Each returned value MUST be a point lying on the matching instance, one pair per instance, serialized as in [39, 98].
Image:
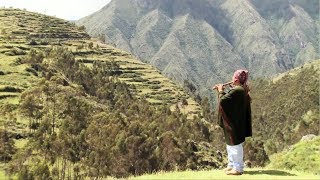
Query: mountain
[73, 107]
[38, 32]
[284, 108]
[204, 42]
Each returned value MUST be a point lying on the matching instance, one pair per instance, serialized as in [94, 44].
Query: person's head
[240, 77]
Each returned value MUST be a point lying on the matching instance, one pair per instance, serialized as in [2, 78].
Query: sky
[65, 9]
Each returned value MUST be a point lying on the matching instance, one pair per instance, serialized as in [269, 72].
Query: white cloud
[65, 9]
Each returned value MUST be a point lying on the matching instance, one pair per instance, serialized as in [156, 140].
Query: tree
[82, 28]
[3, 31]
[42, 172]
[90, 45]
[7, 148]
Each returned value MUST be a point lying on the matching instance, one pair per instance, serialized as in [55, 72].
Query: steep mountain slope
[205, 41]
[287, 107]
[284, 109]
[73, 107]
[35, 31]
[65, 93]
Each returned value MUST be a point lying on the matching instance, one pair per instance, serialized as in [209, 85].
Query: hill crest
[253, 33]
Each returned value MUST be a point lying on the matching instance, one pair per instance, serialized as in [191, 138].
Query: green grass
[20, 143]
[297, 70]
[303, 156]
[2, 175]
[219, 174]
[14, 20]
[14, 74]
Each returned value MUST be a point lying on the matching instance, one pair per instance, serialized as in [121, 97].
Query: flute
[225, 84]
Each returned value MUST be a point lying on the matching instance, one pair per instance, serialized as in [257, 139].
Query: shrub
[139, 79]
[10, 89]
[17, 62]
[33, 42]
[128, 75]
[31, 70]
[3, 31]
[155, 86]
[8, 46]
[44, 42]
[82, 28]
[303, 156]
[17, 51]
[154, 82]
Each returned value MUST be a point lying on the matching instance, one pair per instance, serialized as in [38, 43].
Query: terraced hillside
[205, 41]
[61, 89]
[22, 31]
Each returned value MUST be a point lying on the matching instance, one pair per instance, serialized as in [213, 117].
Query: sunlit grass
[304, 156]
[20, 143]
[219, 174]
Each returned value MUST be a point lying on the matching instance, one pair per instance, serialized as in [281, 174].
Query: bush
[129, 75]
[23, 48]
[10, 89]
[139, 79]
[44, 42]
[17, 61]
[32, 71]
[82, 28]
[19, 32]
[17, 51]
[3, 31]
[7, 149]
[9, 53]
[155, 86]
[8, 46]
[33, 42]
[303, 156]
[154, 82]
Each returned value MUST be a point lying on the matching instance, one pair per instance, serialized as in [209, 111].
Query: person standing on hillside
[235, 119]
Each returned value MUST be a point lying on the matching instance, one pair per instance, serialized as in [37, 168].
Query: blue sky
[65, 9]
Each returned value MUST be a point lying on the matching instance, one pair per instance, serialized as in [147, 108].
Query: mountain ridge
[257, 37]
[91, 110]
[77, 108]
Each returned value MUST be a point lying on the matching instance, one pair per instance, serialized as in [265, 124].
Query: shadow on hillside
[270, 172]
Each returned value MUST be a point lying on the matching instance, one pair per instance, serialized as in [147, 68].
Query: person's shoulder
[238, 88]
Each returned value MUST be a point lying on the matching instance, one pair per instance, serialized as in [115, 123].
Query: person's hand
[219, 87]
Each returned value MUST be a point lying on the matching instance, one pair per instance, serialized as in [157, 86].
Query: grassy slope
[269, 36]
[294, 109]
[303, 156]
[255, 173]
[18, 28]
[297, 70]
[293, 158]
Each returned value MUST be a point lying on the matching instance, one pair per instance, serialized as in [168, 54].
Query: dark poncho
[235, 115]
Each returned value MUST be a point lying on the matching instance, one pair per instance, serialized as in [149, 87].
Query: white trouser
[235, 157]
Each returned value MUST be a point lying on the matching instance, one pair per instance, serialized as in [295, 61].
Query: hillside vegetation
[205, 41]
[300, 161]
[284, 109]
[303, 156]
[72, 107]
[287, 107]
